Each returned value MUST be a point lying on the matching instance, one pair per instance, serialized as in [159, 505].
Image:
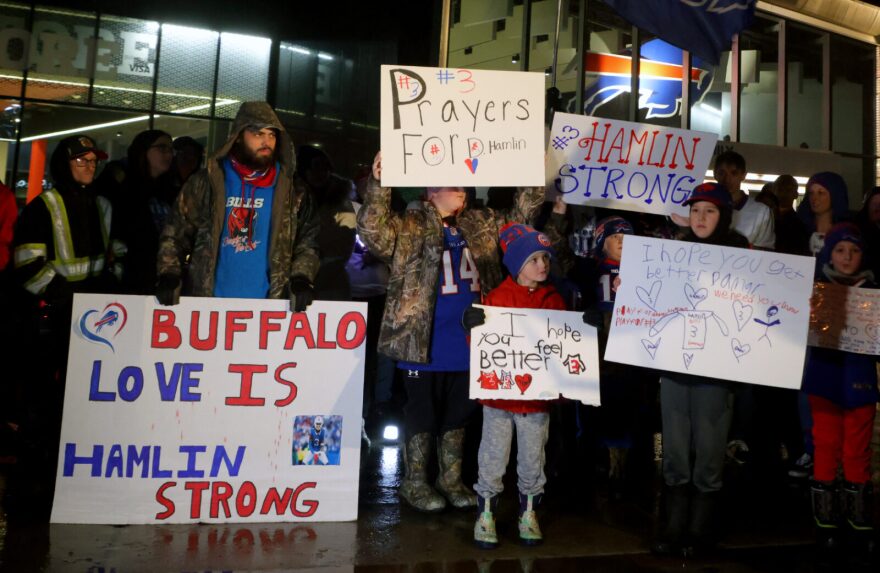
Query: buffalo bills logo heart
[523, 382]
[102, 326]
[472, 164]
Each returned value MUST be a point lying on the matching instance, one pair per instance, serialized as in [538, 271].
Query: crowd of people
[264, 219]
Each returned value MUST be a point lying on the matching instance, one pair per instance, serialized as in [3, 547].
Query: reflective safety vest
[65, 263]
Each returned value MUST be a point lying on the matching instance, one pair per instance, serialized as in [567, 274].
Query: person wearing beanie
[444, 257]
[618, 383]
[64, 243]
[527, 256]
[842, 391]
[696, 410]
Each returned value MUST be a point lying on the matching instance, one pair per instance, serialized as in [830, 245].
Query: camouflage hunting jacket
[412, 244]
[195, 223]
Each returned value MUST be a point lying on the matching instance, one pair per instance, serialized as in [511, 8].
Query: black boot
[701, 530]
[857, 505]
[677, 510]
[826, 512]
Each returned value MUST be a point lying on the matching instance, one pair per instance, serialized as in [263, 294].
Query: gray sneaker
[803, 467]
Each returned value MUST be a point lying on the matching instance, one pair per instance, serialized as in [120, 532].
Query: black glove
[302, 294]
[472, 317]
[594, 317]
[167, 290]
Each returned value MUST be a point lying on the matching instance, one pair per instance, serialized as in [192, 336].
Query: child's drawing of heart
[695, 296]
[523, 381]
[742, 313]
[472, 164]
[651, 346]
[688, 358]
[739, 349]
[649, 297]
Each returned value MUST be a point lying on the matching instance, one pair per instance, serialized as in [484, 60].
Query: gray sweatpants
[531, 437]
[696, 418]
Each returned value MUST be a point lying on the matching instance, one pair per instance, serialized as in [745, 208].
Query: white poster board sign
[708, 310]
[213, 410]
[845, 318]
[625, 165]
[459, 128]
[534, 354]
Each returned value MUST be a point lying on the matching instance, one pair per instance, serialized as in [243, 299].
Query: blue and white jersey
[457, 289]
[316, 439]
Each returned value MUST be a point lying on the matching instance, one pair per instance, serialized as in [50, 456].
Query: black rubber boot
[701, 529]
[858, 508]
[826, 512]
[677, 511]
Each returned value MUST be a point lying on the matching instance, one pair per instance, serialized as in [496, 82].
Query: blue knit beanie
[519, 242]
[607, 227]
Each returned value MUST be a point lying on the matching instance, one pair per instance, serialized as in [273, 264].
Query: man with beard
[245, 221]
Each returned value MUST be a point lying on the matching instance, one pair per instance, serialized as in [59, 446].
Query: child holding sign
[527, 255]
[618, 384]
[696, 410]
[443, 256]
[842, 389]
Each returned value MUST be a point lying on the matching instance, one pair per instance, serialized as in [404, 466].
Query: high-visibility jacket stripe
[29, 252]
[38, 283]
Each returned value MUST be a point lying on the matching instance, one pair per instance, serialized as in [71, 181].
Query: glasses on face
[163, 148]
[82, 162]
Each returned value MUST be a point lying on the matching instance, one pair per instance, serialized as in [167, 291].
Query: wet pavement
[766, 528]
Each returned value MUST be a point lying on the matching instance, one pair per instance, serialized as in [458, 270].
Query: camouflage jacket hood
[195, 224]
[412, 243]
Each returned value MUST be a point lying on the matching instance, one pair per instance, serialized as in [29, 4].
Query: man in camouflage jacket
[197, 219]
[417, 247]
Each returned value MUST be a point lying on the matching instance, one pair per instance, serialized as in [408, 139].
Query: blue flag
[703, 27]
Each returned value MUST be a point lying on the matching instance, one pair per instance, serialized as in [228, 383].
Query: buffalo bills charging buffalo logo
[102, 326]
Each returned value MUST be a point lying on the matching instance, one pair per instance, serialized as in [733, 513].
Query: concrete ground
[766, 527]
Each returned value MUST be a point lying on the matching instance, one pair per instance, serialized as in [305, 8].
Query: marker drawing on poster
[721, 312]
[625, 165]
[534, 354]
[212, 410]
[459, 127]
[845, 318]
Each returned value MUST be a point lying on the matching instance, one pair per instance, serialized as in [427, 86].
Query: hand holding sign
[534, 354]
[455, 127]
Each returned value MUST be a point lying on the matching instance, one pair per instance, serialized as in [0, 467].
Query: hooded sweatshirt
[836, 186]
[197, 218]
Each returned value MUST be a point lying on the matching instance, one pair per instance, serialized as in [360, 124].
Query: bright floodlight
[390, 433]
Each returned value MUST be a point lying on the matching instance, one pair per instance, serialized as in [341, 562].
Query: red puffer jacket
[511, 294]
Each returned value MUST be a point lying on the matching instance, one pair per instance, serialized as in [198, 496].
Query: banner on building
[726, 313]
[213, 410]
[462, 128]
[704, 27]
[845, 318]
[534, 354]
[625, 165]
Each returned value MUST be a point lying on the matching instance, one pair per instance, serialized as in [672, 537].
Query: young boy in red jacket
[527, 255]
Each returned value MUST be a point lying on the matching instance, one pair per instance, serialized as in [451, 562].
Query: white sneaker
[803, 467]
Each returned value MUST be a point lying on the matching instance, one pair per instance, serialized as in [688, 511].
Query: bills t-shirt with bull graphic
[457, 289]
[243, 260]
